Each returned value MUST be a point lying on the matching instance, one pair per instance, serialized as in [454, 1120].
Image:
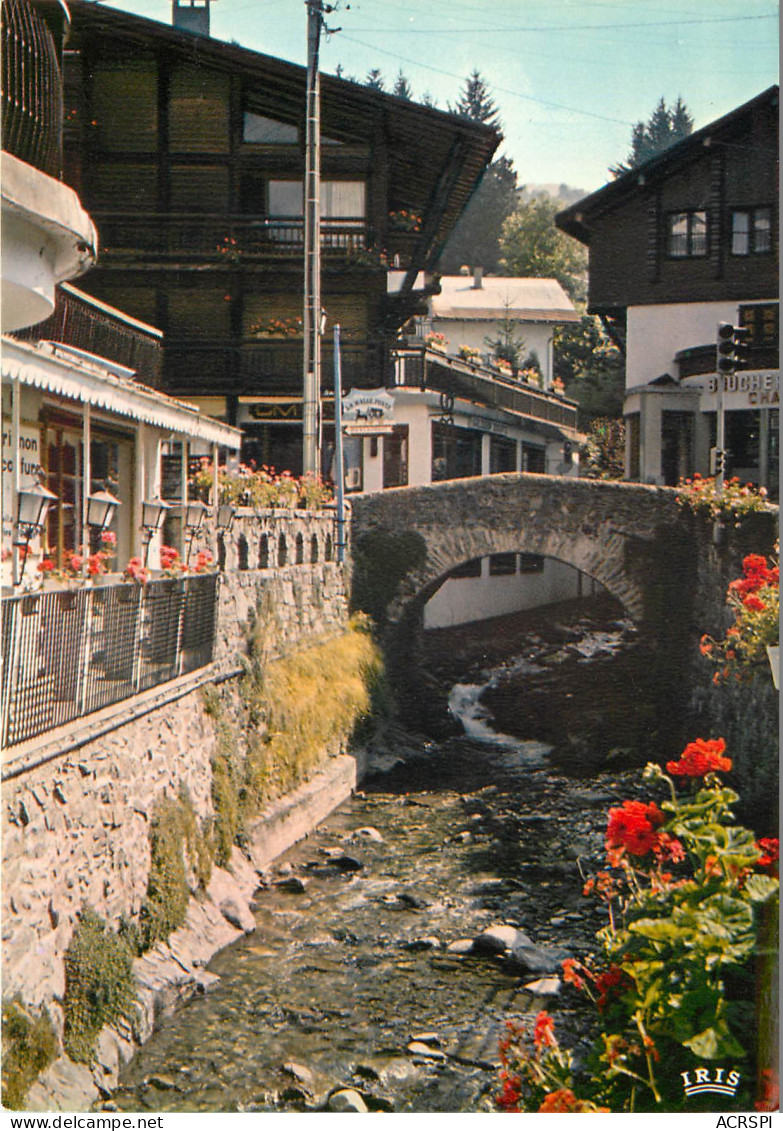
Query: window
[467, 569]
[761, 320]
[687, 235]
[340, 200]
[395, 457]
[531, 563]
[751, 231]
[502, 455]
[502, 565]
[265, 131]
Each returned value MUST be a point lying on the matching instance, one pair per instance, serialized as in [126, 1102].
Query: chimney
[478, 273]
[192, 16]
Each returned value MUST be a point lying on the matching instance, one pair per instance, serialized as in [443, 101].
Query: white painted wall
[657, 333]
[465, 599]
[537, 337]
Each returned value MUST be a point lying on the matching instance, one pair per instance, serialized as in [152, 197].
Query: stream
[358, 975]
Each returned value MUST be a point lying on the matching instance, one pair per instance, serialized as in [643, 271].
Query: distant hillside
[560, 192]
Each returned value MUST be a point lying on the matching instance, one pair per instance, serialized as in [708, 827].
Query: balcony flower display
[277, 328]
[79, 566]
[503, 366]
[530, 377]
[436, 341]
[558, 387]
[469, 353]
[405, 221]
[248, 486]
[229, 249]
[754, 600]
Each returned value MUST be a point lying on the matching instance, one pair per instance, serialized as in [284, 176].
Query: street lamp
[225, 517]
[100, 509]
[153, 514]
[193, 515]
[32, 508]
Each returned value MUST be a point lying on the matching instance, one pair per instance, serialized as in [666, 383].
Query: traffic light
[726, 361]
[741, 346]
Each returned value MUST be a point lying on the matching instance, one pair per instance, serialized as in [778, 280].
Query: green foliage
[29, 1046]
[531, 245]
[734, 502]
[592, 367]
[665, 127]
[476, 103]
[402, 87]
[677, 954]
[99, 984]
[604, 450]
[375, 79]
[508, 346]
[475, 239]
[381, 560]
[168, 891]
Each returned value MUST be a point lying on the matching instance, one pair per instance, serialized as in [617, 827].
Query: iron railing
[68, 653]
[32, 88]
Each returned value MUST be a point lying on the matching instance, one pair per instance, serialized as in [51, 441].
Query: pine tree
[428, 101]
[476, 103]
[664, 128]
[402, 88]
[375, 79]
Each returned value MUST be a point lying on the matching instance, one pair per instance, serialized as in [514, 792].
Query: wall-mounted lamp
[153, 514]
[225, 517]
[193, 515]
[32, 507]
[100, 509]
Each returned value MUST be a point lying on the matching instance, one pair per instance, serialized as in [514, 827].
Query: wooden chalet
[189, 155]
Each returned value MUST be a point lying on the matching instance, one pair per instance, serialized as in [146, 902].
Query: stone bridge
[654, 556]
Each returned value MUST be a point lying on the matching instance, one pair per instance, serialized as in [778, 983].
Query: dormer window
[751, 231]
[687, 235]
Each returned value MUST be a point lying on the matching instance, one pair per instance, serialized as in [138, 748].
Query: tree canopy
[666, 126]
[475, 102]
[531, 245]
[475, 240]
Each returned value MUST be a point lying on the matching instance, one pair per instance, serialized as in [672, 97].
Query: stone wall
[76, 818]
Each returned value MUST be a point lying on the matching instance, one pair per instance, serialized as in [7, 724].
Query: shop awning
[91, 380]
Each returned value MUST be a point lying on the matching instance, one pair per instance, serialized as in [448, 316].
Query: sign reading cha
[748, 389]
[366, 412]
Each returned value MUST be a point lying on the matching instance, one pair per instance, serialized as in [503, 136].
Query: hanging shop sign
[367, 406]
[747, 390]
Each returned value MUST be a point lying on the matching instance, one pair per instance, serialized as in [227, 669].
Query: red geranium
[770, 848]
[701, 757]
[544, 1031]
[633, 827]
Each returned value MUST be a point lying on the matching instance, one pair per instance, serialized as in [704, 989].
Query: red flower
[699, 758]
[544, 1031]
[509, 1097]
[609, 983]
[563, 1100]
[770, 848]
[46, 565]
[109, 538]
[754, 603]
[634, 827]
[570, 975]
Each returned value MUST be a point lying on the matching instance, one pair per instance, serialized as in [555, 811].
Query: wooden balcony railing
[224, 238]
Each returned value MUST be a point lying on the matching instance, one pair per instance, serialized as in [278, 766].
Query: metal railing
[67, 653]
[32, 88]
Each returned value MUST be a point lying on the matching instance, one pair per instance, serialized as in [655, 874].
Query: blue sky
[570, 77]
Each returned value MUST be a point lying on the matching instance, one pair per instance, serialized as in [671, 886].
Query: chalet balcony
[32, 85]
[69, 653]
[257, 366]
[85, 324]
[227, 240]
[430, 369]
[701, 360]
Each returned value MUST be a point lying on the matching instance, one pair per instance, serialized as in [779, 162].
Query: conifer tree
[375, 79]
[476, 103]
[665, 127]
[402, 88]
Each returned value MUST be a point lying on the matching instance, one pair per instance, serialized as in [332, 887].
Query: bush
[168, 892]
[682, 891]
[99, 984]
[735, 501]
[29, 1046]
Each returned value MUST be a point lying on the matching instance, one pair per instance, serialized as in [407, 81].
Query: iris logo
[705, 1081]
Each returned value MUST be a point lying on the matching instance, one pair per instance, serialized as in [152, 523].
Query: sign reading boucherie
[748, 389]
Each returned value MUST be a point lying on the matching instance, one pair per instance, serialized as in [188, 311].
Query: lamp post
[193, 513]
[225, 517]
[153, 514]
[32, 508]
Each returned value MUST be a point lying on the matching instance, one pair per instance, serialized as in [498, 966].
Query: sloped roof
[575, 219]
[499, 296]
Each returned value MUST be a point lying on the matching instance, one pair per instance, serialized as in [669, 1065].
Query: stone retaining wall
[76, 824]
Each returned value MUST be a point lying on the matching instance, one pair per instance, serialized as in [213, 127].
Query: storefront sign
[368, 428]
[29, 456]
[748, 390]
[368, 405]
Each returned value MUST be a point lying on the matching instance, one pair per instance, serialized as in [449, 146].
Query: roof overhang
[85, 380]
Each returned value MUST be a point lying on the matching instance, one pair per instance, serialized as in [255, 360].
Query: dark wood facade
[714, 178]
[187, 153]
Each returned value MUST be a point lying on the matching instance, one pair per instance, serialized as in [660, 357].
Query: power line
[473, 30]
[502, 89]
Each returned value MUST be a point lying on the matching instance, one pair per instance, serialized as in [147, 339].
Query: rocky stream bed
[393, 944]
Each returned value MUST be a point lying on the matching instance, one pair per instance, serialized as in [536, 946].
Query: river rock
[410, 899]
[460, 946]
[418, 1048]
[291, 883]
[227, 895]
[499, 939]
[347, 863]
[348, 1100]
[429, 942]
[368, 833]
[529, 959]
[544, 987]
[63, 1086]
[301, 1073]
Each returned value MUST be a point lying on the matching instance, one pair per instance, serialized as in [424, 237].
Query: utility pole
[311, 399]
